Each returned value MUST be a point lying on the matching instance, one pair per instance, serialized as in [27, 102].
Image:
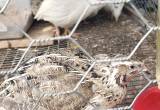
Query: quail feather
[105, 86]
[110, 87]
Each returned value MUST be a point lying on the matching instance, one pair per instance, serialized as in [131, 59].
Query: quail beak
[132, 75]
[136, 73]
[146, 71]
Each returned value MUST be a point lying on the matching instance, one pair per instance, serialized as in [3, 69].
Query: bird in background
[115, 9]
[104, 86]
[64, 14]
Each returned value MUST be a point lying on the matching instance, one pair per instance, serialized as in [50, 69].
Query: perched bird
[64, 14]
[49, 75]
[115, 9]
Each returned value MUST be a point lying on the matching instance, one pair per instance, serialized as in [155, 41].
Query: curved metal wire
[5, 6]
[94, 2]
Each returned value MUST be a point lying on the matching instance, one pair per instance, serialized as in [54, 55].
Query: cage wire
[145, 10]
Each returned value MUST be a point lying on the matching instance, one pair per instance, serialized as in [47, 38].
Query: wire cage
[8, 61]
[145, 12]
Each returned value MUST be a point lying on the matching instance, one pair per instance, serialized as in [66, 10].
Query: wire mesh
[3, 5]
[146, 10]
[9, 59]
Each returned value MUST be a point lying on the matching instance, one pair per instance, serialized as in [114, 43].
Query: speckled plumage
[104, 86]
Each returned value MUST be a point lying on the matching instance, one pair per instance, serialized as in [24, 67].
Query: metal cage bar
[94, 61]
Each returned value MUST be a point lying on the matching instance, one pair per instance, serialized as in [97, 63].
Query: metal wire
[15, 24]
[79, 20]
[23, 56]
[70, 91]
[133, 51]
[5, 6]
[9, 59]
[95, 2]
[34, 49]
[146, 10]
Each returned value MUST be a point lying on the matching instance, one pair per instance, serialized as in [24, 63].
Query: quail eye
[132, 67]
[77, 65]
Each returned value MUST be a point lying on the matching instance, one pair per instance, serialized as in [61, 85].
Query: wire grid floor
[9, 59]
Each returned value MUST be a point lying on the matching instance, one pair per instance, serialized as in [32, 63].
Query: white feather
[65, 13]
